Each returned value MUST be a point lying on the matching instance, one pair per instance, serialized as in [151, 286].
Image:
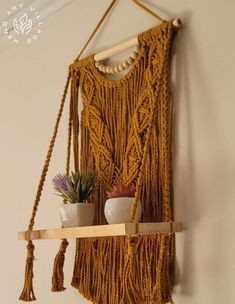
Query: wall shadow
[183, 172]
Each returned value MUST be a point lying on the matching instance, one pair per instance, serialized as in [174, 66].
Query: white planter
[118, 210]
[79, 214]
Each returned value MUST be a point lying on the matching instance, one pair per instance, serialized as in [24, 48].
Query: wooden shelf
[102, 231]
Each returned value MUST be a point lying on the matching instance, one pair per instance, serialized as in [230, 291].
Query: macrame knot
[132, 245]
[58, 273]
[28, 293]
[30, 248]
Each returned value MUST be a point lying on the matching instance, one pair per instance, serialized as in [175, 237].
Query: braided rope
[28, 291]
[48, 156]
[68, 154]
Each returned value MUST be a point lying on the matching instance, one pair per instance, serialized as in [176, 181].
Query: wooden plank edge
[73, 232]
[153, 228]
[102, 231]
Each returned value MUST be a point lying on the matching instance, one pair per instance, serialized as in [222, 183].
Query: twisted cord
[48, 156]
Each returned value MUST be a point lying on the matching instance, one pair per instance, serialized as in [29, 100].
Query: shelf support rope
[28, 291]
[57, 281]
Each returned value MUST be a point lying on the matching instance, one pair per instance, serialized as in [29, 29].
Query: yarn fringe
[27, 294]
[106, 271]
[58, 273]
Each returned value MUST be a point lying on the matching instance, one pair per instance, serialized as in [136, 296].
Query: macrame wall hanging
[125, 139]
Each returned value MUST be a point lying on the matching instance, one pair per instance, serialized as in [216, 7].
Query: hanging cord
[57, 282]
[28, 293]
[74, 96]
[106, 14]
[145, 8]
[73, 128]
[70, 123]
[97, 27]
[48, 156]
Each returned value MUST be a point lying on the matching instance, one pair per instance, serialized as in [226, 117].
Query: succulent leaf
[74, 188]
[122, 191]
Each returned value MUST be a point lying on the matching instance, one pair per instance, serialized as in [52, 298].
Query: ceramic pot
[118, 210]
[78, 214]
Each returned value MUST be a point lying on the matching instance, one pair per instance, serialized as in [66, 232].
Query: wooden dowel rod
[125, 45]
[116, 49]
[177, 23]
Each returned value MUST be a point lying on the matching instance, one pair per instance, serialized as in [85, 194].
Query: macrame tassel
[27, 294]
[58, 274]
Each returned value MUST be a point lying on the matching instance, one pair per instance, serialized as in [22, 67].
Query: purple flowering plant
[74, 188]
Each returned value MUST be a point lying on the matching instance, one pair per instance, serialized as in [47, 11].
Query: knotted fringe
[121, 270]
[58, 274]
[28, 293]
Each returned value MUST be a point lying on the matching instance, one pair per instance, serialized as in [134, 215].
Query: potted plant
[118, 206]
[75, 189]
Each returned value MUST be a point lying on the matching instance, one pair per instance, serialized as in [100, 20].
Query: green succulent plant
[74, 188]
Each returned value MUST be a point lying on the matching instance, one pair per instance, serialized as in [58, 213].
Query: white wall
[31, 84]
